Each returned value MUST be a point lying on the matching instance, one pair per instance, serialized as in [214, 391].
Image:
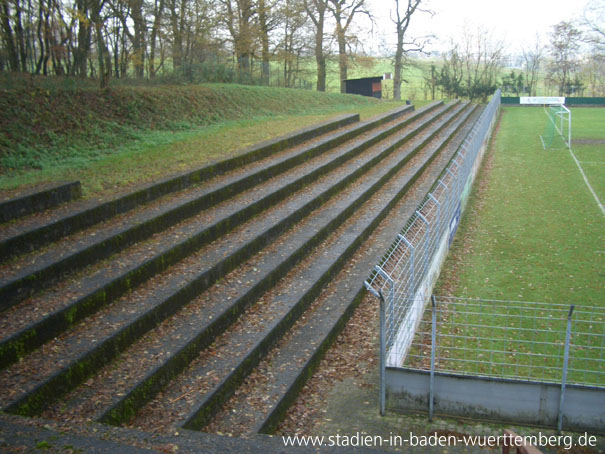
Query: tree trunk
[402, 23]
[7, 34]
[317, 15]
[84, 37]
[321, 68]
[398, 67]
[342, 58]
[104, 59]
[244, 37]
[344, 11]
[177, 38]
[138, 39]
[20, 37]
[263, 19]
[159, 9]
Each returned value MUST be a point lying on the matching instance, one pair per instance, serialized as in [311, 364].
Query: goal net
[557, 132]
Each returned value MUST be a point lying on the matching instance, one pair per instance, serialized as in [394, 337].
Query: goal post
[558, 123]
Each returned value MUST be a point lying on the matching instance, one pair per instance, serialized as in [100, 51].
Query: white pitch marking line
[594, 194]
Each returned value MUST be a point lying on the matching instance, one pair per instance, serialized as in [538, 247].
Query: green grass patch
[587, 126]
[587, 123]
[149, 138]
[532, 232]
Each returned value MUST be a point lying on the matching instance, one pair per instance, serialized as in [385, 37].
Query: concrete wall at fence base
[503, 400]
[407, 328]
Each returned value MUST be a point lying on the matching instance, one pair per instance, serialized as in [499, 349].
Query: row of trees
[209, 39]
[572, 60]
[248, 40]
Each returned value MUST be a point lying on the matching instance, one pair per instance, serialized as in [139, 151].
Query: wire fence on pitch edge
[512, 339]
[405, 266]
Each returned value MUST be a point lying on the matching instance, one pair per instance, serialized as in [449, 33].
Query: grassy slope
[111, 140]
[534, 233]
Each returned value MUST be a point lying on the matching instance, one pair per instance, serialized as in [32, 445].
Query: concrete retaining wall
[503, 400]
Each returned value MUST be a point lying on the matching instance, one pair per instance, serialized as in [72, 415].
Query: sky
[514, 21]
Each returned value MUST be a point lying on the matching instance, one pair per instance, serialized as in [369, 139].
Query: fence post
[426, 239]
[433, 348]
[565, 363]
[412, 260]
[382, 356]
[391, 282]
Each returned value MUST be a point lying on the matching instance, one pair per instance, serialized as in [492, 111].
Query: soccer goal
[558, 120]
[558, 126]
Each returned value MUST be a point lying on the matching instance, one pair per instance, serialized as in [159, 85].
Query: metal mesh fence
[512, 339]
[401, 276]
[542, 342]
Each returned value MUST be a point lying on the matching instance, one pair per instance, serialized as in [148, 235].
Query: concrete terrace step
[108, 284]
[262, 275]
[304, 286]
[274, 384]
[242, 289]
[39, 199]
[45, 387]
[20, 238]
[39, 270]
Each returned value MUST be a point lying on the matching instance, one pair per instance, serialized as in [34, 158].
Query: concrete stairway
[208, 301]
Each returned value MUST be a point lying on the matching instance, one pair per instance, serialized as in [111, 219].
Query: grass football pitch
[534, 231]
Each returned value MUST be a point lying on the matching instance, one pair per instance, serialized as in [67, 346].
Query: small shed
[366, 86]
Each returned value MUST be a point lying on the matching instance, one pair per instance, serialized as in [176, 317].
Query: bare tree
[593, 27]
[593, 21]
[8, 36]
[564, 47]
[532, 61]
[139, 37]
[269, 19]
[103, 57]
[401, 18]
[482, 54]
[293, 18]
[238, 17]
[471, 67]
[158, 14]
[344, 11]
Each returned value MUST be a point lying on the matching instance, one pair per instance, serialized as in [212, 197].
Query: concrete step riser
[39, 201]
